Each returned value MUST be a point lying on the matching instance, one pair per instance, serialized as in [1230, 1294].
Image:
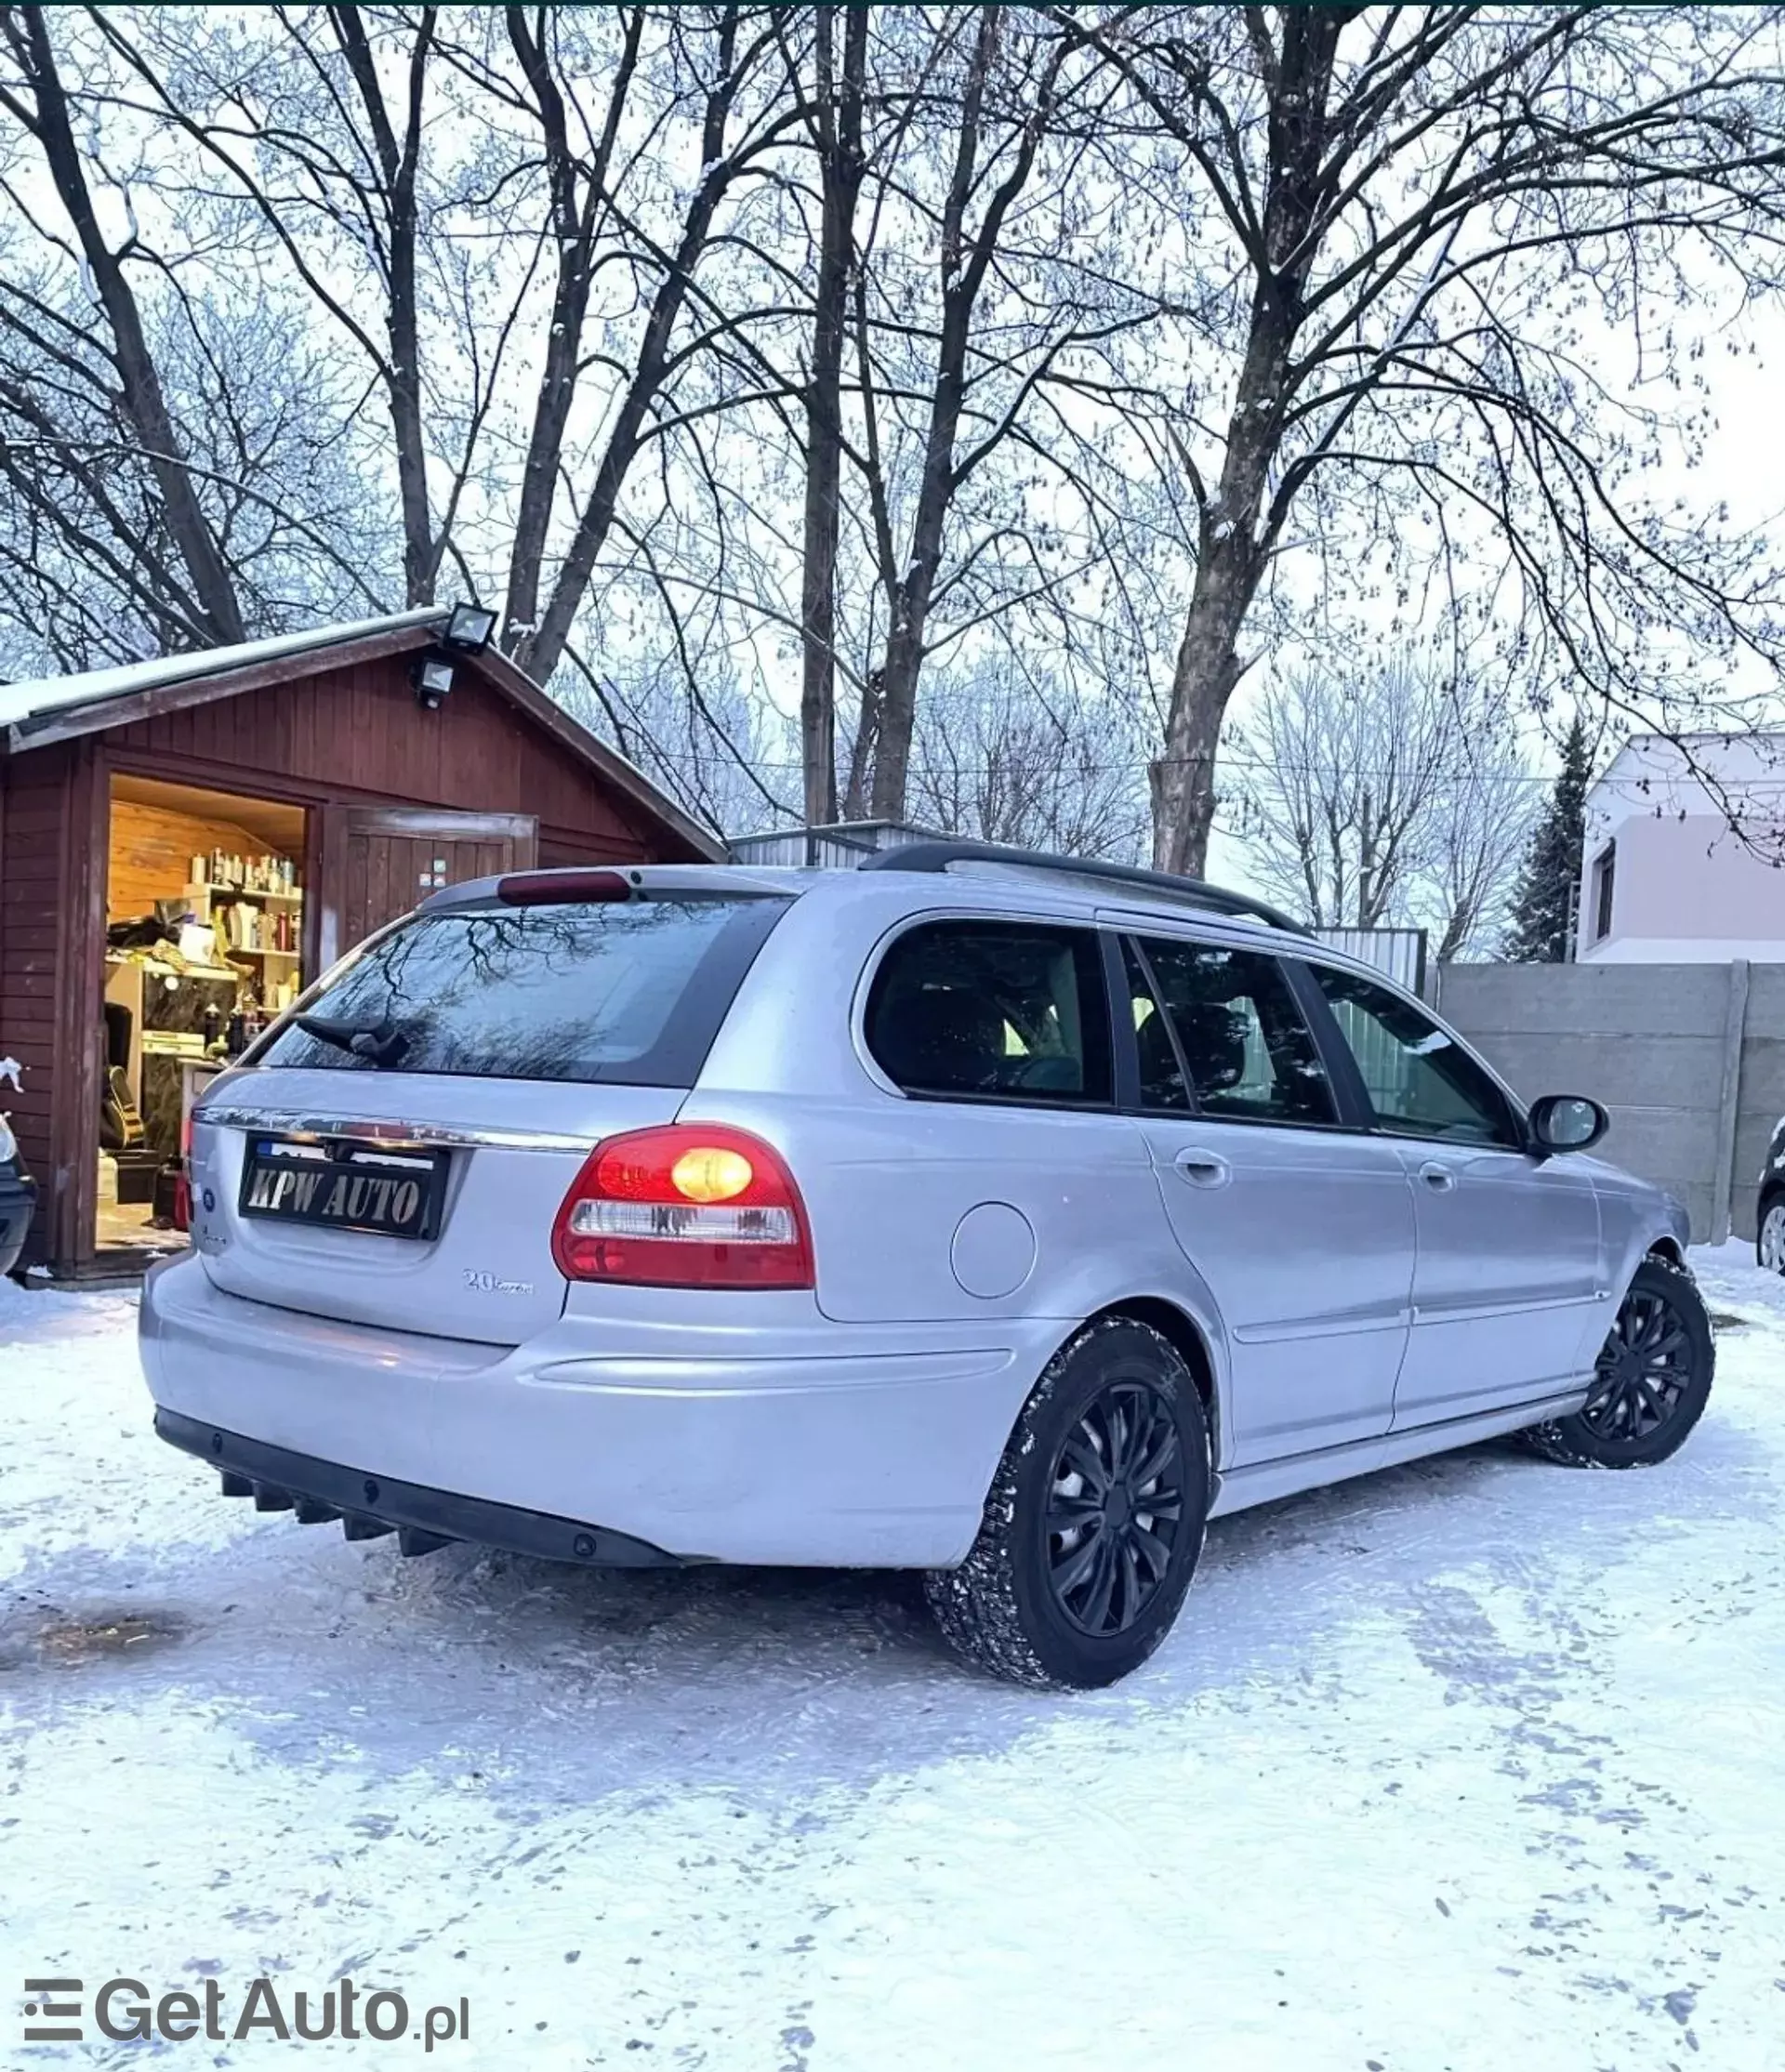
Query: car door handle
[1203, 1169]
[1440, 1178]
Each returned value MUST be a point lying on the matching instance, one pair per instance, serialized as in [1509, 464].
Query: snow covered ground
[1480, 1764]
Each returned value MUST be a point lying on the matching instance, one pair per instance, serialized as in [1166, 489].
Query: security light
[469, 629]
[434, 679]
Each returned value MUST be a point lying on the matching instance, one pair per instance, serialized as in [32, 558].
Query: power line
[1257, 767]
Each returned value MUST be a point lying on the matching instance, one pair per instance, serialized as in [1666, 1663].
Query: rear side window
[995, 1010]
[1243, 1038]
[630, 991]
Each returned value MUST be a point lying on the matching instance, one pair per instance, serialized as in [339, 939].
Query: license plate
[338, 1185]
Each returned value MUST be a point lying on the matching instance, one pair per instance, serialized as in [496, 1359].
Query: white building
[1665, 877]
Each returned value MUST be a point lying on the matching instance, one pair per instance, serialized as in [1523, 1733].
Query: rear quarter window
[630, 992]
[993, 1010]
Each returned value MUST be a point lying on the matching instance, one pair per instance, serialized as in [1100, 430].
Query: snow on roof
[30, 699]
[38, 698]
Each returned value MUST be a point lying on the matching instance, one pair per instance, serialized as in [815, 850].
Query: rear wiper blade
[382, 1046]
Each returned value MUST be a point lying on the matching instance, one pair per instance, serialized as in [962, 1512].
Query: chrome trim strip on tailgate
[388, 1133]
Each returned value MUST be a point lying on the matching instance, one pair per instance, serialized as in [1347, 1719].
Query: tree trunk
[898, 695]
[399, 164]
[861, 754]
[1208, 669]
[1232, 557]
[898, 698]
[886, 560]
[1457, 932]
[404, 386]
[840, 121]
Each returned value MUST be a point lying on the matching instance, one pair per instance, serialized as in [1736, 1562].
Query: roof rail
[937, 857]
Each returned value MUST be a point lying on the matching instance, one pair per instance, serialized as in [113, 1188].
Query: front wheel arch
[1581, 1440]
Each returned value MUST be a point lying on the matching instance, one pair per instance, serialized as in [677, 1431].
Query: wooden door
[380, 861]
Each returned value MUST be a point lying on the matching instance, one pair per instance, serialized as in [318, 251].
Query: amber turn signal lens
[709, 1174]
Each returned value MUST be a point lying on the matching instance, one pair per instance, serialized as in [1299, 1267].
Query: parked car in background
[18, 1198]
[1769, 1212]
[1001, 1217]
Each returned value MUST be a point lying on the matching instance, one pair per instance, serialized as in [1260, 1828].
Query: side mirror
[1566, 1122]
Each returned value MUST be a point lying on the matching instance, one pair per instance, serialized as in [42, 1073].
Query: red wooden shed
[185, 842]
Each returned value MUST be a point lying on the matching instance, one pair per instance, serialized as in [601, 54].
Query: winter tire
[1095, 1518]
[1770, 1246]
[1651, 1383]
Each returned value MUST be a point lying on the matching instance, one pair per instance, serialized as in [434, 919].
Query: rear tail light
[688, 1205]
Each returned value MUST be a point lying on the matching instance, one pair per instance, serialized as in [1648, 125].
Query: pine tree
[1544, 907]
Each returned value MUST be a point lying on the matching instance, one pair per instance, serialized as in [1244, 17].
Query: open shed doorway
[205, 942]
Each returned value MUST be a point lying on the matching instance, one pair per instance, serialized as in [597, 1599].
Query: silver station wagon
[1001, 1217]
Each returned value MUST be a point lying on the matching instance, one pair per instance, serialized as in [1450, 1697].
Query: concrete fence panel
[1763, 1086]
[1688, 1058]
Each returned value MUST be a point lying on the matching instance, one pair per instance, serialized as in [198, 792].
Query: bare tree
[809, 351]
[1409, 240]
[966, 254]
[733, 140]
[317, 126]
[1464, 894]
[722, 756]
[1390, 795]
[1025, 311]
[998, 756]
[179, 461]
[196, 582]
[415, 172]
[989, 323]
[579, 174]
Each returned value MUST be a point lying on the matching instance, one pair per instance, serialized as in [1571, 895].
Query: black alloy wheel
[1094, 1522]
[1642, 1371]
[1650, 1384]
[1115, 1507]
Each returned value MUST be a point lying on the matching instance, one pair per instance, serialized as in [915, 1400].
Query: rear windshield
[630, 991]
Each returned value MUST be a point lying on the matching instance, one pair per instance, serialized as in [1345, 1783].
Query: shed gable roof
[36, 712]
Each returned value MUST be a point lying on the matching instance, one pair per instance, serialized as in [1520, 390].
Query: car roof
[978, 883]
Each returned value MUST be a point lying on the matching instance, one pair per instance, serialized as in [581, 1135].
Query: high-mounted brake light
[685, 1204]
[558, 888]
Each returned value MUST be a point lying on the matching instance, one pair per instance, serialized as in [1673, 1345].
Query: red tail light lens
[688, 1205]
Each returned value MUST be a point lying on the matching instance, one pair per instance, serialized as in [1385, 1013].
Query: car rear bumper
[18, 1199]
[324, 1490]
[857, 1446]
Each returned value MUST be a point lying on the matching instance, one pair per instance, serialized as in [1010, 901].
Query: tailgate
[510, 1150]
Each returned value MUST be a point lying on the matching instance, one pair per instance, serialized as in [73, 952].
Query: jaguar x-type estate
[999, 1217]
